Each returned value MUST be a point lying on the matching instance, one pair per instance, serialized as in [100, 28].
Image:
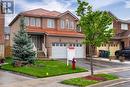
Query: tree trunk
[91, 59]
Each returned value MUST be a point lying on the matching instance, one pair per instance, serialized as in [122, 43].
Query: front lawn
[83, 81]
[43, 68]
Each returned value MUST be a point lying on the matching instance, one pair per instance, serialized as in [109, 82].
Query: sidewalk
[55, 81]
[112, 61]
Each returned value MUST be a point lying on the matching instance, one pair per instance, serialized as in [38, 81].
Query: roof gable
[68, 12]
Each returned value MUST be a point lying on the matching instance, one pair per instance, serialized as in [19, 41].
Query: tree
[94, 25]
[23, 47]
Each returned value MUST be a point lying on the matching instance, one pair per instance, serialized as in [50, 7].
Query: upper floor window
[50, 23]
[62, 23]
[124, 26]
[78, 28]
[38, 22]
[71, 23]
[27, 21]
[67, 23]
[32, 21]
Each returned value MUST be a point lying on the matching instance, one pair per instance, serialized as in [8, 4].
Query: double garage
[59, 50]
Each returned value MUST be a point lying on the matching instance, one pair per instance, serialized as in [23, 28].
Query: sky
[120, 8]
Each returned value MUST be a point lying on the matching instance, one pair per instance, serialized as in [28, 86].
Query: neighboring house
[7, 41]
[121, 37]
[1, 34]
[52, 32]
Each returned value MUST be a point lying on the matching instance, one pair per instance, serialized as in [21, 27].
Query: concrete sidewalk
[112, 61]
[55, 81]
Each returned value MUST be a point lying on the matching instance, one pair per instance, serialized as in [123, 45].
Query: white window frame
[51, 23]
[32, 21]
[71, 24]
[27, 21]
[124, 26]
[67, 24]
[62, 24]
[7, 37]
[38, 22]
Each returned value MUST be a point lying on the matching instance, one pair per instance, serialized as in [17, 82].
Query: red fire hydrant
[74, 63]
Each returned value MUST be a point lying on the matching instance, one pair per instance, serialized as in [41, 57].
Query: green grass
[79, 82]
[82, 82]
[108, 76]
[43, 68]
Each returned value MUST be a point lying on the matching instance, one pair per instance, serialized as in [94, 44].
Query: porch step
[42, 58]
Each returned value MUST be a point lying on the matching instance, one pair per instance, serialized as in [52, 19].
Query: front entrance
[37, 40]
[122, 45]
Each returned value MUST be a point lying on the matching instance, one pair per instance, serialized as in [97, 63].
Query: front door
[122, 45]
[37, 40]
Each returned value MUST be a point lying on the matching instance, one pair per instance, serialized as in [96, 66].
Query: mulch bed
[97, 78]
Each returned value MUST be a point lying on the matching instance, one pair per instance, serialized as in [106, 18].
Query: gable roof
[42, 13]
[68, 12]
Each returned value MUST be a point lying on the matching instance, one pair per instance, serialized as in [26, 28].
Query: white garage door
[59, 50]
[79, 51]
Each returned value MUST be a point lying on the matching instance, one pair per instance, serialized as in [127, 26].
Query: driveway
[9, 78]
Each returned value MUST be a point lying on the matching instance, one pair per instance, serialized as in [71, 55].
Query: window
[7, 37]
[27, 21]
[62, 24]
[53, 44]
[71, 23]
[32, 21]
[124, 26]
[38, 22]
[1, 48]
[67, 23]
[50, 23]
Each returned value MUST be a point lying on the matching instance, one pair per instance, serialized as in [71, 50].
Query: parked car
[124, 53]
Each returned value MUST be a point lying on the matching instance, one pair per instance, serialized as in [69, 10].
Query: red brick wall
[117, 27]
[1, 28]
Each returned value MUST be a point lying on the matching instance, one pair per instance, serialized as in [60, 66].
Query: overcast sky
[120, 8]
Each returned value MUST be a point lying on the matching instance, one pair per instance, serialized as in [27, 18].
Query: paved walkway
[112, 61]
[8, 78]
[54, 81]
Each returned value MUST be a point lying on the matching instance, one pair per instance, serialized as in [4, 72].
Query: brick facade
[1, 34]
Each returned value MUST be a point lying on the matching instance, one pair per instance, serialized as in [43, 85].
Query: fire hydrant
[74, 63]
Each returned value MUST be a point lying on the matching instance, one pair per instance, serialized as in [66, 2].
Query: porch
[38, 41]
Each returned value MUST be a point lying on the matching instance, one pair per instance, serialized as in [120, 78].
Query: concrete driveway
[9, 78]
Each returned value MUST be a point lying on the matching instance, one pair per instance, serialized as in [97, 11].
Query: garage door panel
[79, 52]
[59, 52]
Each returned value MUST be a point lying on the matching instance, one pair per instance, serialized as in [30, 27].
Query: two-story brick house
[52, 32]
[1, 34]
[121, 37]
